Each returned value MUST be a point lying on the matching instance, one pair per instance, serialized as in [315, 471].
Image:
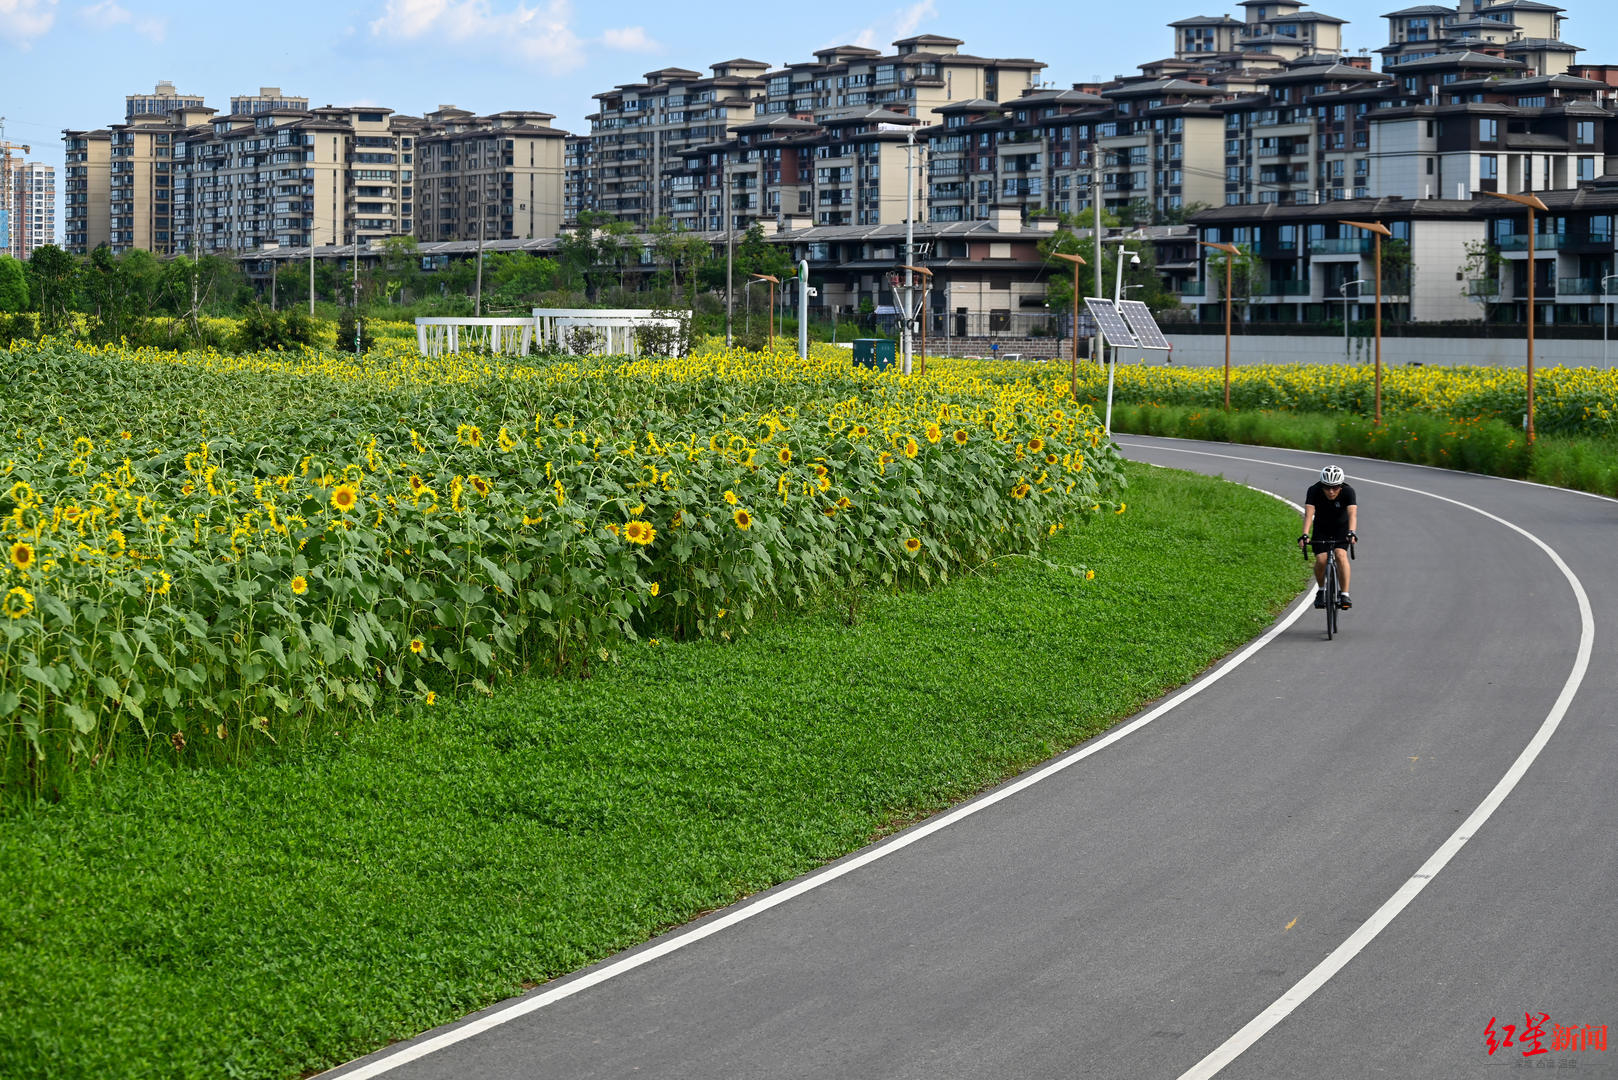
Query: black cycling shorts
[1323, 546]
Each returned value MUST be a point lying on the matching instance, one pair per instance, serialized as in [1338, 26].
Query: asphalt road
[1331, 860]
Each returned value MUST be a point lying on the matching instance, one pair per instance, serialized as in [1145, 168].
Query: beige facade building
[85, 208]
[494, 177]
[275, 172]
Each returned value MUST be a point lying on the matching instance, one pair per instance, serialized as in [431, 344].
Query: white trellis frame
[609, 335]
[505, 337]
[616, 326]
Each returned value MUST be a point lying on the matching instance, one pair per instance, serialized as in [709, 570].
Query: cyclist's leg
[1320, 568]
[1342, 569]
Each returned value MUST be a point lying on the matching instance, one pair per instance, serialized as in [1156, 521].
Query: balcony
[1578, 286]
[1286, 288]
[1276, 249]
[1542, 242]
[1481, 288]
[1194, 288]
[1346, 245]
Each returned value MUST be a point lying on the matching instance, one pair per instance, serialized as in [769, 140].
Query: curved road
[1325, 860]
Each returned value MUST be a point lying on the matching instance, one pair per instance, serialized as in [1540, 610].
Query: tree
[400, 266]
[756, 255]
[517, 279]
[1480, 275]
[120, 292]
[13, 285]
[53, 276]
[1243, 268]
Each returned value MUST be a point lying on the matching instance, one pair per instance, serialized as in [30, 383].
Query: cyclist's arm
[1309, 518]
[1353, 517]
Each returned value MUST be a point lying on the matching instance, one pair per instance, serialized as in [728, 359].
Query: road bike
[1329, 585]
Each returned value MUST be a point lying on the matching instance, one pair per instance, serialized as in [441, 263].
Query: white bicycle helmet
[1331, 476]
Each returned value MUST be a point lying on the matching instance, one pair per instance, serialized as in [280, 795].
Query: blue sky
[69, 63]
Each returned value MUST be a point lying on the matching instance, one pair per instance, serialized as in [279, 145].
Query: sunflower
[344, 497]
[1020, 491]
[730, 497]
[911, 448]
[416, 482]
[1051, 459]
[860, 431]
[300, 585]
[960, 436]
[913, 545]
[1121, 508]
[469, 435]
[417, 645]
[160, 583]
[1035, 445]
[744, 520]
[843, 503]
[432, 698]
[933, 433]
[1089, 575]
[22, 555]
[653, 589]
[480, 485]
[785, 455]
[639, 532]
[19, 602]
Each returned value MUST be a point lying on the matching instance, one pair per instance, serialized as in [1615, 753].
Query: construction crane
[7, 181]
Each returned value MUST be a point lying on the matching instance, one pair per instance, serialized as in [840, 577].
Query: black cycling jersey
[1331, 515]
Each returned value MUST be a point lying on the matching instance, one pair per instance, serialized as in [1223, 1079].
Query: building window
[1488, 130]
[1488, 167]
[1587, 168]
[1585, 133]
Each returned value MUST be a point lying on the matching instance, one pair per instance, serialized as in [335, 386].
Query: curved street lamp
[1077, 261]
[774, 281]
[1379, 230]
[1533, 203]
[1231, 251]
[927, 287]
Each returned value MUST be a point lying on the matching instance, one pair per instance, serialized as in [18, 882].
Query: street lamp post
[1231, 251]
[921, 317]
[1343, 290]
[1532, 202]
[1606, 317]
[1077, 261]
[1378, 230]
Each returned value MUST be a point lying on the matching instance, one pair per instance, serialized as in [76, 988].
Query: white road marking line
[714, 924]
[1367, 932]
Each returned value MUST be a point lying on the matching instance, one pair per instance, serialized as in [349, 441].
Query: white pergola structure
[576, 331]
[597, 331]
[505, 337]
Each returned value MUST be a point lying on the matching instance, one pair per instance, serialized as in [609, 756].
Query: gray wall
[1208, 350]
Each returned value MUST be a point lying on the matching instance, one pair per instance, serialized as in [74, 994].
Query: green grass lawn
[320, 901]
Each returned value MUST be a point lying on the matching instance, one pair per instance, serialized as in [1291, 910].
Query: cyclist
[1330, 513]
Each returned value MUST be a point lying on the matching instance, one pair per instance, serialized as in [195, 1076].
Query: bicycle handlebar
[1305, 543]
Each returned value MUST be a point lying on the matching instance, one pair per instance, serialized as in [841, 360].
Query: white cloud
[111, 15]
[630, 39]
[535, 33]
[897, 25]
[21, 21]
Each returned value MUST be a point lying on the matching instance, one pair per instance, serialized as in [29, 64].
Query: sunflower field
[1567, 401]
[204, 551]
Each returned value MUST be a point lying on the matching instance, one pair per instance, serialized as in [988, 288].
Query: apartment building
[640, 129]
[647, 137]
[29, 196]
[1527, 31]
[268, 98]
[489, 177]
[163, 100]
[86, 176]
[578, 175]
[140, 184]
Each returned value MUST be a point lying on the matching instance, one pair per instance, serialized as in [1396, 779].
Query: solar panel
[1113, 328]
[1139, 318]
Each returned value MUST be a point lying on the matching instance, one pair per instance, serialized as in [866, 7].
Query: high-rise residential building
[86, 176]
[32, 206]
[1527, 31]
[496, 177]
[655, 142]
[274, 171]
[268, 99]
[160, 102]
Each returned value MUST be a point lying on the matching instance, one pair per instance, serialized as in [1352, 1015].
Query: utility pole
[477, 308]
[730, 249]
[1095, 205]
[354, 302]
[910, 243]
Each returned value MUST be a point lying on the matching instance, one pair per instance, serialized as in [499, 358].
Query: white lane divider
[537, 1000]
[1283, 1006]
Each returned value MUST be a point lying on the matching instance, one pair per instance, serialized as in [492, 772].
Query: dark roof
[1536, 44]
[1360, 209]
[1212, 20]
[1422, 9]
[1160, 86]
[1316, 72]
[1466, 59]
[1521, 5]
[927, 39]
[971, 105]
